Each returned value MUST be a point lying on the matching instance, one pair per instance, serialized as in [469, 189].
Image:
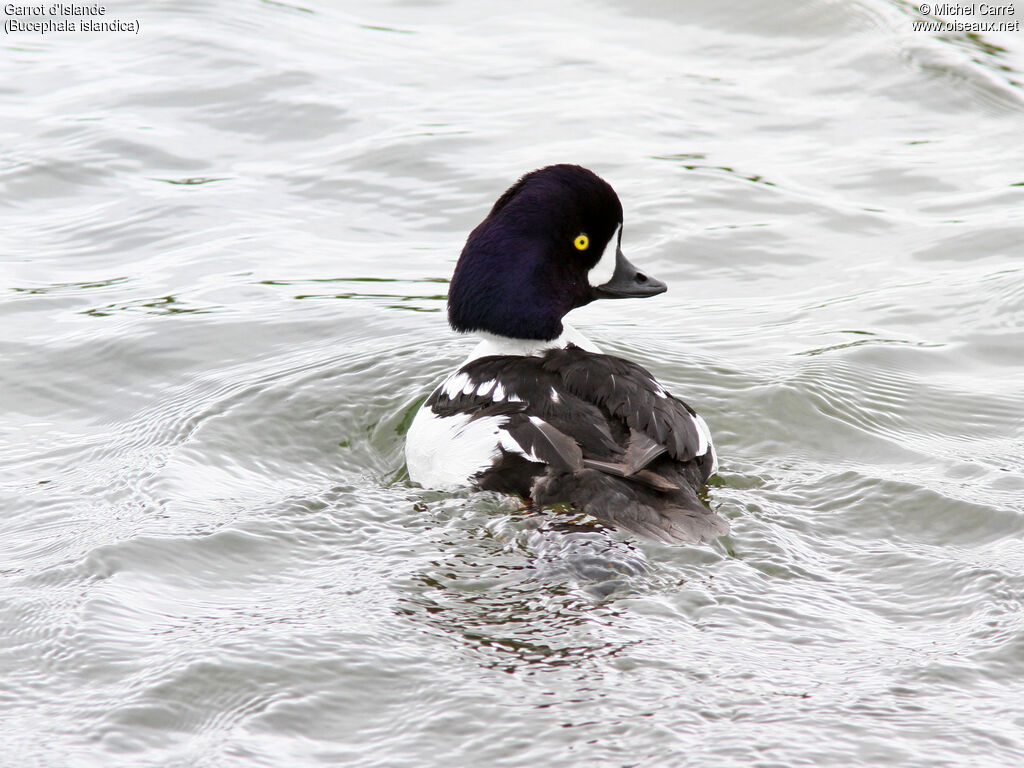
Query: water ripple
[224, 268]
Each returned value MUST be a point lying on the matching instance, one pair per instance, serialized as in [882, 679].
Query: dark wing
[594, 431]
[629, 391]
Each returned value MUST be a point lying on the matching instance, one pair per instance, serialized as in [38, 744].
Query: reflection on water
[216, 232]
[522, 600]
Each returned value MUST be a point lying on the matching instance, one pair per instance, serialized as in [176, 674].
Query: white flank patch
[499, 393]
[445, 452]
[485, 388]
[705, 430]
[703, 435]
[602, 272]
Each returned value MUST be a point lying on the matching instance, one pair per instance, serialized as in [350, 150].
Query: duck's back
[576, 427]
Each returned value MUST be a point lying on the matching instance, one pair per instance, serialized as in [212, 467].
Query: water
[225, 247]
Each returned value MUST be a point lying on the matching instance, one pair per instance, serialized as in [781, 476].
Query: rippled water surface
[225, 250]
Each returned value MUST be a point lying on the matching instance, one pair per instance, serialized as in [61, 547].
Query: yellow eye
[582, 242]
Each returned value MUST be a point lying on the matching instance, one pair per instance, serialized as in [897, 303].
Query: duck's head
[550, 244]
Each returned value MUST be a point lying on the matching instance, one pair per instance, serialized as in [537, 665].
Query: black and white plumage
[537, 410]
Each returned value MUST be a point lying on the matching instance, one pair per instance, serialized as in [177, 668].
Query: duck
[537, 410]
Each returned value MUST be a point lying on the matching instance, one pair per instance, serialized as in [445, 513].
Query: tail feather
[645, 476]
[673, 517]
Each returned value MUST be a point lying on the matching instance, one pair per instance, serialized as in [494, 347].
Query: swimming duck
[537, 410]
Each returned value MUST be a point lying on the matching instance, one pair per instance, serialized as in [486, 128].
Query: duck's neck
[503, 345]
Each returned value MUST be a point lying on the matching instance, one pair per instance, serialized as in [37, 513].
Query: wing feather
[595, 431]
